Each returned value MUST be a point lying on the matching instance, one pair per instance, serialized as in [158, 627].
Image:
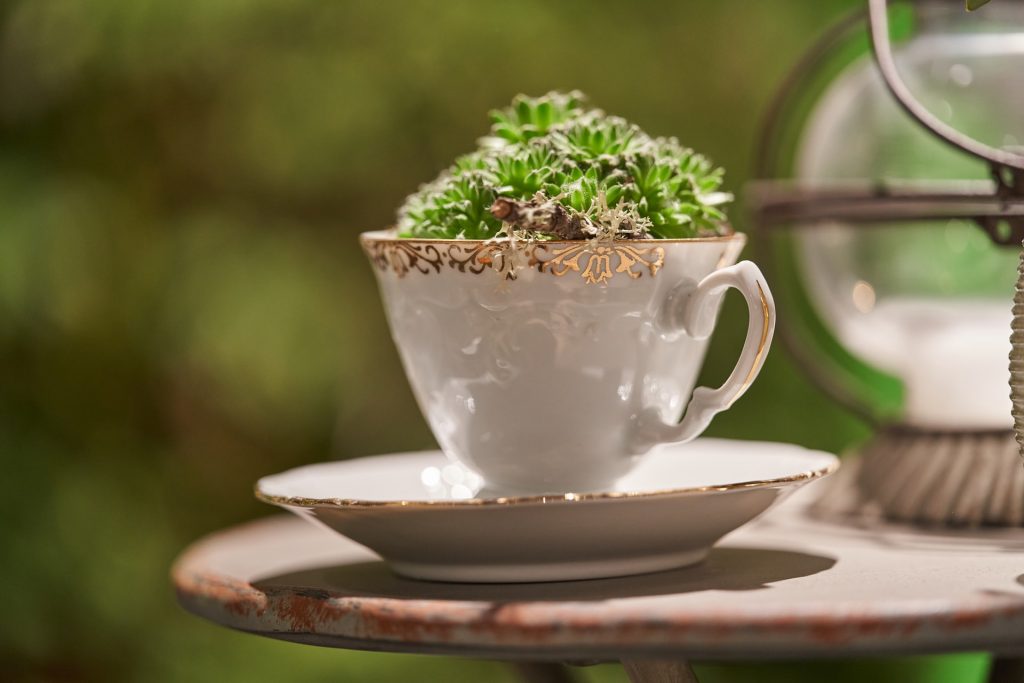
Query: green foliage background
[183, 306]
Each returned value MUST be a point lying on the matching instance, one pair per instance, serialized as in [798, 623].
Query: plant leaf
[974, 4]
[552, 150]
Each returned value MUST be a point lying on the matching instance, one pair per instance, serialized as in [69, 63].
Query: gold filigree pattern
[403, 257]
[598, 263]
[476, 257]
[595, 262]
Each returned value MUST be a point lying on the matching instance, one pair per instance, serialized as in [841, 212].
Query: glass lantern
[888, 241]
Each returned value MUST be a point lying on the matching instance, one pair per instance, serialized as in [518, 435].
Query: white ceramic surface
[551, 367]
[668, 512]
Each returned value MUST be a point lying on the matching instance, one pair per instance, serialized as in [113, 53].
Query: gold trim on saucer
[549, 499]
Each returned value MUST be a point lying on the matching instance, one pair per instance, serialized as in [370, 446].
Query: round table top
[784, 586]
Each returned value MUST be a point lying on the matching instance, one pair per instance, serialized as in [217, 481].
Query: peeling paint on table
[785, 586]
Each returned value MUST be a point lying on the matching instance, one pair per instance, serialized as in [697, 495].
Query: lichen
[553, 169]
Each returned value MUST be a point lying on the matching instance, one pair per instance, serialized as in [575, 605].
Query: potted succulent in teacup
[552, 294]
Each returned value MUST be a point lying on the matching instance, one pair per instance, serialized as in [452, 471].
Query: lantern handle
[878, 20]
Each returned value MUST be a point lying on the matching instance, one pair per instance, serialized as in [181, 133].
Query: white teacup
[549, 367]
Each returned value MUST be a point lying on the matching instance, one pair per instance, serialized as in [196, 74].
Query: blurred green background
[184, 308]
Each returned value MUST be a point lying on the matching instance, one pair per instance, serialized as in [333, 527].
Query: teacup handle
[692, 310]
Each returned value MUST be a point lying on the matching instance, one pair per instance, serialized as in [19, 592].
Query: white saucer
[412, 509]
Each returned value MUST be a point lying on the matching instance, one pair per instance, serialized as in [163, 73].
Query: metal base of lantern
[926, 477]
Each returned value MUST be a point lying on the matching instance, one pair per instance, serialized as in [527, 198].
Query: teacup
[550, 367]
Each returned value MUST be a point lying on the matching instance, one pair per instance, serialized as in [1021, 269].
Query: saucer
[417, 512]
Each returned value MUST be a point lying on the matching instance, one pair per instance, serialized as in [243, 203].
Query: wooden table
[784, 587]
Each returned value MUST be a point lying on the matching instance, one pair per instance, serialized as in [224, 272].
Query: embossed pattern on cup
[550, 368]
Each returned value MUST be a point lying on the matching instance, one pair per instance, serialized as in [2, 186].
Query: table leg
[646, 671]
[542, 672]
[1006, 670]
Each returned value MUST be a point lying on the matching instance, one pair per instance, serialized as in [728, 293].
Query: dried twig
[547, 216]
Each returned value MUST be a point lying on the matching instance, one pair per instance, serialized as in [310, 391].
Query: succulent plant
[553, 168]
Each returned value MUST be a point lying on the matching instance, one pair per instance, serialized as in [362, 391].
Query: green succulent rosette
[551, 168]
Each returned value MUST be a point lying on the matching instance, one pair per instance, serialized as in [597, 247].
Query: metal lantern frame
[996, 206]
[965, 477]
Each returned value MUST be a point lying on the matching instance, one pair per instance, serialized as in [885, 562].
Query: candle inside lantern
[950, 354]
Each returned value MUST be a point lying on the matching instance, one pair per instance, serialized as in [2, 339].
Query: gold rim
[298, 501]
[391, 235]
[762, 348]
